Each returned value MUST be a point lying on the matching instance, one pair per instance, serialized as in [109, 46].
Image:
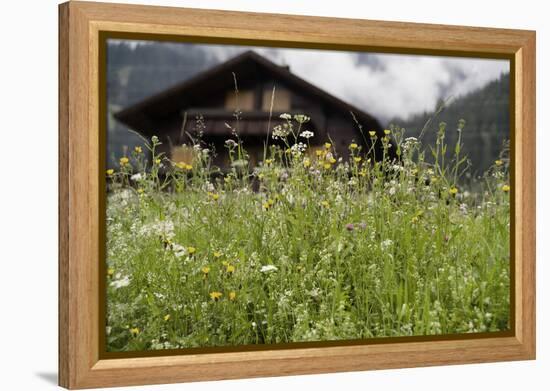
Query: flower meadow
[307, 245]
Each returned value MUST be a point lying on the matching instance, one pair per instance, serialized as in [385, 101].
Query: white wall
[28, 211]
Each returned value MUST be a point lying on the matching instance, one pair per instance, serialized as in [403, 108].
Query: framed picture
[247, 195]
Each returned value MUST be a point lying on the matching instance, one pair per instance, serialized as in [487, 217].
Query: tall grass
[306, 246]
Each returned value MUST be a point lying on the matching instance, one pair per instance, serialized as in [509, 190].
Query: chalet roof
[143, 116]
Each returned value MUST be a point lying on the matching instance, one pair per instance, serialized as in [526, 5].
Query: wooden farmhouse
[172, 114]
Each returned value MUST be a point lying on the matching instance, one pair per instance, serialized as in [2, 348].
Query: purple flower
[350, 227]
[363, 225]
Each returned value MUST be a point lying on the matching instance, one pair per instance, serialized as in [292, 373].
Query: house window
[245, 100]
[281, 100]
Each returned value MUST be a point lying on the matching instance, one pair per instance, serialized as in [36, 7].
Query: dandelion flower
[138, 149]
[319, 152]
[505, 188]
[134, 331]
[453, 190]
[110, 172]
[230, 269]
[217, 254]
[124, 161]
[205, 270]
[191, 250]
[326, 166]
[166, 317]
[232, 295]
[216, 295]
[325, 204]
[188, 167]
[307, 163]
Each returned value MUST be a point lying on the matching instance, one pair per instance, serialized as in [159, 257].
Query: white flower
[136, 177]
[179, 250]
[285, 116]
[280, 131]
[125, 281]
[268, 268]
[306, 134]
[298, 148]
[386, 244]
[300, 118]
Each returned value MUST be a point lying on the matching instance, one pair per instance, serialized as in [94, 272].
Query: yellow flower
[110, 271]
[363, 172]
[326, 166]
[434, 179]
[328, 145]
[205, 270]
[325, 204]
[225, 263]
[453, 190]
[215, 295]
[270, 202]
[357, 159]
[387, 132]
[266, 205]
[332, 160]
[214, 196]
[166, 317]
[499, 162]
[110, 172]
[505, 188]
[140, 190]
[138, 149]
[181, 165]
[319, 152]
[191, 250]
[372, 133]
[261, 176]
[157, 161]
[188, 167]
[217, 254]
[232, 295]
[307, 163]
[230, 269]
[414, 220]
[123, 161]
[268, 161]
[353, 146]
[134, 331]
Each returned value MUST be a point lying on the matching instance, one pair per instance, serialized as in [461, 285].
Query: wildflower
[357, 159]
[134, 332]
[191, 250]
[332, 160]
[414, 220]
[363, 225]
[280, 131]
[157, 161]
[387, 132]
[110, 172]
[363, 172]
[138, 149]
[326, 166]
[217, 254]
[188, 167]
[505, 188]
[230, 269]
[216, 295]
[110, 271]
[268, 161]
[453, 190]
[499, 162]
[325, 204]
[121, 282]
[386, 244]
[140, 190]
[230, 143]
[268, 268]
[372, 133]
[298, 148]
[319, 153]
[328, 145]
[350, 227]
[124, 161]
[285, 116]
[136, 177]
[232, 295]
[353, 146]
[205, 270]
[166, 317]
[307, 134]
[301, 119]
[307, 162]
[266, 205]
[213, 196]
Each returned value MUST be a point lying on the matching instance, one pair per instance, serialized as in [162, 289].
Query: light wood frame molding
[80, 150]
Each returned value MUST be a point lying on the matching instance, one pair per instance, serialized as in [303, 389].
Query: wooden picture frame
[81, 363]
